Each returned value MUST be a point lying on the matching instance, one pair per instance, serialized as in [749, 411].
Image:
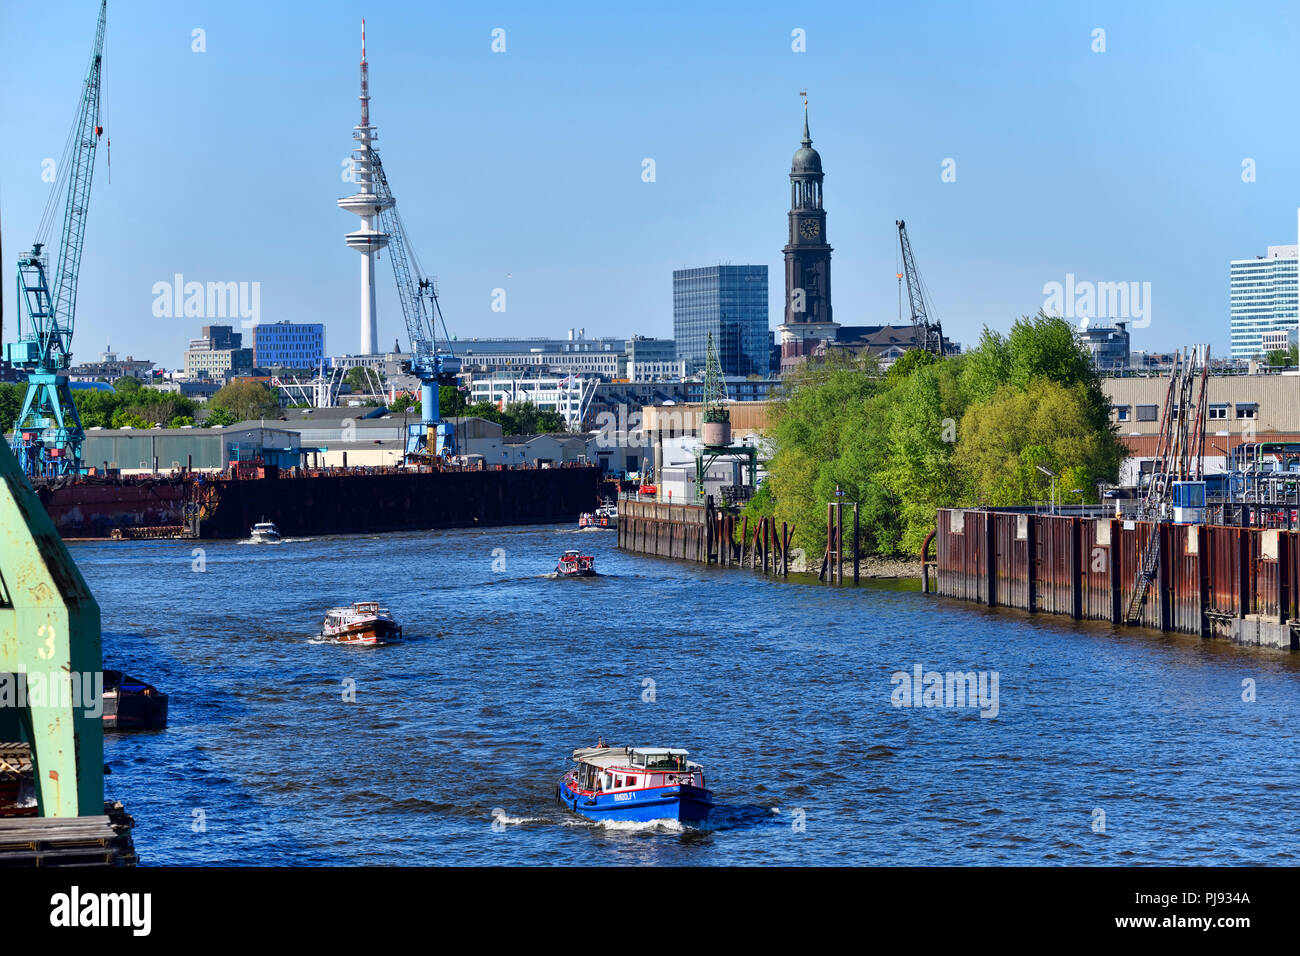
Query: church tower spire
[808, 318]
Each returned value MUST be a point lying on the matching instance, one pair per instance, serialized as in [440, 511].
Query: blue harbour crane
[48, 434]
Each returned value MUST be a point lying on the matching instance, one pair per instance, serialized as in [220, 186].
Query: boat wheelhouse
[131, 704]
[264, 531]
[362, 623]
[575, 564]
[636, 784]
[605, 517]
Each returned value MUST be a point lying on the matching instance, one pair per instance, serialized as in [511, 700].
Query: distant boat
[362, 623]
[131, 704]
[606, 516]
[636, 784]
[264, 532]
[575, 564]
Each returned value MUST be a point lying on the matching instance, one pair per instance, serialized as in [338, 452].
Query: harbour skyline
[523, 170]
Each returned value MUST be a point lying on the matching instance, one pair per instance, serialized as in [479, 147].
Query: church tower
[808, 319]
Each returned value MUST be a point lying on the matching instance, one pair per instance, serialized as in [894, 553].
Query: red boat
[363, 623]
[575, 564]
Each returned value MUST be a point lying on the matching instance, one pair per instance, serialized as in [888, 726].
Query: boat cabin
[606, 769]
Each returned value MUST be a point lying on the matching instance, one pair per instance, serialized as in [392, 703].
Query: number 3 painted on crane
[47, 651]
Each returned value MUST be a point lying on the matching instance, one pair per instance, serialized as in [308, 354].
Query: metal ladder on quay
[1145, 574]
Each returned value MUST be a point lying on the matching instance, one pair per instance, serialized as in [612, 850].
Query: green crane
[48, 434]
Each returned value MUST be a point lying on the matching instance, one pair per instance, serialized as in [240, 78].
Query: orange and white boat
[363, 623]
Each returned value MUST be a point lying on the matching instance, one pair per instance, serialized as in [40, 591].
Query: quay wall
[334, 502]
[702, 533]
[1242, 584]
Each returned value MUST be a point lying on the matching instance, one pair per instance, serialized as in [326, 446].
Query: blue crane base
[47, 438]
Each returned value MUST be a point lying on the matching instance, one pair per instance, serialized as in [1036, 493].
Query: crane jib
[48, 434]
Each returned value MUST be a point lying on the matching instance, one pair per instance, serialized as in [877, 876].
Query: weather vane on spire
[804, 94]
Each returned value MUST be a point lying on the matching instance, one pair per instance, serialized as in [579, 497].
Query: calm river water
[1109, 746]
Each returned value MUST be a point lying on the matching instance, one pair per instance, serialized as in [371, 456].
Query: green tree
[246, 401]
[1285, 357]
[451, 401]
[220, 416]
[122, 418]
[364, 380]
[11, 404]
[1003, 441]
[938, 432]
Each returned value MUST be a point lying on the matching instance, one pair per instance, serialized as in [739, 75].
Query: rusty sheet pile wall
[703, 533]
[1214, 581]
[662, 529]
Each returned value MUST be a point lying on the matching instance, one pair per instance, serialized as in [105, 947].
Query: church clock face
[809, 228]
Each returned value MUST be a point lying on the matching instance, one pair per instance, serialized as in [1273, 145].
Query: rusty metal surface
[1207, 575]
[1011, 561]
[1055, 583]
[1097, 596]
[962, 570]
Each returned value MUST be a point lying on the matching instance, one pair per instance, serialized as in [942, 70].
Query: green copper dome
[807, 161]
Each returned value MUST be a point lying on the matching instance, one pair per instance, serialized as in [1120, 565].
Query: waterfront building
[1107, 344]
[111, 368]
[1264, 296]
[1279, 340]
[670, 370]
[218, 354]
[642, 350]
[729, 303]
[568, 395]
[133, 451]
[299, 345]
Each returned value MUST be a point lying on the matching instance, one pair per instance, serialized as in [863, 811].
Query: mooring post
[839, 542]
[855, 542]
[785, 550]
[830, 536]
[708, 529]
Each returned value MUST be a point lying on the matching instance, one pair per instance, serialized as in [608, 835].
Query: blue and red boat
[636, 785]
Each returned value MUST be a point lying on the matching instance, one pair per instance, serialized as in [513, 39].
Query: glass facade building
[1264, 296]
[288, 345]
[730, 302]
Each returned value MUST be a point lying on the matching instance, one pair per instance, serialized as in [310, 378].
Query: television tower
[367, 204]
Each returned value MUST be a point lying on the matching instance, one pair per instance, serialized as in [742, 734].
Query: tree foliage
[519, 418]
[245, 401]
[935, 433]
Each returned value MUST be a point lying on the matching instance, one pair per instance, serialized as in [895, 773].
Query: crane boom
[929, 334]
[419, 300]
[48, 433]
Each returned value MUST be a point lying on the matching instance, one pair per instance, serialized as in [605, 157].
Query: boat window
[631, 781]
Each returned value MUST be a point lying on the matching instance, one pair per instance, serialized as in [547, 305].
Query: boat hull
[131, 711]
[684, 804]
[368, 634]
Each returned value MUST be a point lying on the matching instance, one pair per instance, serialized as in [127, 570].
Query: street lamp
[1051, 474]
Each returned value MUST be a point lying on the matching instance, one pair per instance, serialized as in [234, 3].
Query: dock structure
[1240, 584]
[50, 634]
[704, 533]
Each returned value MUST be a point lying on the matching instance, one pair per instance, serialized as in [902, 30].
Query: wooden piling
[855, 542]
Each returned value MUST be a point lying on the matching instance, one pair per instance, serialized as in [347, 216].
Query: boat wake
[631, 826]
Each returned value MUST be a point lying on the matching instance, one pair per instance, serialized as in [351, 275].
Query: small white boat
[263, 532]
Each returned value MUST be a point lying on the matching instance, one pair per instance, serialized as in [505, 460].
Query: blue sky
[522, 170]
